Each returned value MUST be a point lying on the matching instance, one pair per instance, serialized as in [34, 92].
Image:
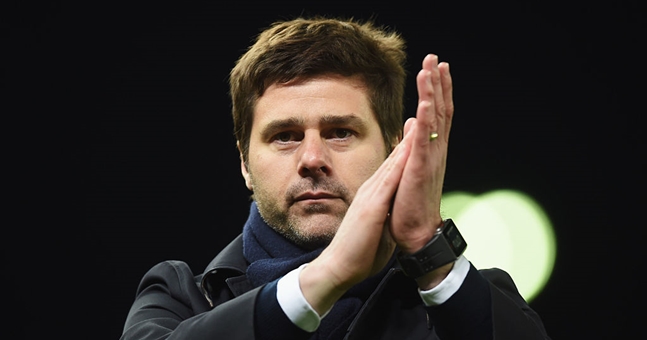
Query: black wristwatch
[445, 247]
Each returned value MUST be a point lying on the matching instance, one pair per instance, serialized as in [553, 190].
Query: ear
[243, 169]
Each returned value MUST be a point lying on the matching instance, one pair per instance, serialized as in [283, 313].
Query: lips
[313, 196]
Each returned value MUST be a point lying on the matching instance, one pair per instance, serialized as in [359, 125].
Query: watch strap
[444, 247]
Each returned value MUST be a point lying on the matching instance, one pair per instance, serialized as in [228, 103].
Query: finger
[423, 84]
[407, 124]
[425, 119]
[447, 86]
[426, 123]
[385, 179]
[430, 62]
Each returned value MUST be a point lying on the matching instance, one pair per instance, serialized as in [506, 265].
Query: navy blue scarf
[271, 256]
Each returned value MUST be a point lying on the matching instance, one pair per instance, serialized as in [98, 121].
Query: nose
[314, 156]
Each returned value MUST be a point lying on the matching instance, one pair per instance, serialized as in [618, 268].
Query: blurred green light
[505, 229]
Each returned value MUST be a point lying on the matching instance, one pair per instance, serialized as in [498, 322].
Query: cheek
[361, 168]
[270, 173]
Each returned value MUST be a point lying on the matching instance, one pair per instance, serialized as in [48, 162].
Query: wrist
[434, 277]
[318, 290]
[443, 249]
[419, 240]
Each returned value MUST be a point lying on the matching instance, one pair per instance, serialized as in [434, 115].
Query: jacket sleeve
[487, 302]
[512, 317]
[169, 305]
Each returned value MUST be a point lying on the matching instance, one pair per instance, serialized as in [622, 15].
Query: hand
[362, 245]
[416, 208]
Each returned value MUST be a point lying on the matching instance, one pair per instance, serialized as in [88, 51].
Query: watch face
[454, 236]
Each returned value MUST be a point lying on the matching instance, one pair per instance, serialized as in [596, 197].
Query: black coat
[173, 303]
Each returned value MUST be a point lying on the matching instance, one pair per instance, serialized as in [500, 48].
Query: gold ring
[433, 136]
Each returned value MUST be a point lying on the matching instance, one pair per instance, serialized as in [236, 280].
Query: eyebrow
[328, 120]
[348, 119]
[280, 124]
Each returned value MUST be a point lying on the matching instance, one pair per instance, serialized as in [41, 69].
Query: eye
[342, 133]
[287, 137]
[283, 137]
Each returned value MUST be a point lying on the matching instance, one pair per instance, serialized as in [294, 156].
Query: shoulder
[166, 295]
[511, 313]
[501, 279]
[172, 280]
[169, 271]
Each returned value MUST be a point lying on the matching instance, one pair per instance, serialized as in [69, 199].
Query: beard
[316, 224]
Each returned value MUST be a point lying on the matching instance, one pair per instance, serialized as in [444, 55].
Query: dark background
[120, 152]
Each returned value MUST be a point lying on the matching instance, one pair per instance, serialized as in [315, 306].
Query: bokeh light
[506, 229]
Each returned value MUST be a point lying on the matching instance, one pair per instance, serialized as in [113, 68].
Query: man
[345, 237]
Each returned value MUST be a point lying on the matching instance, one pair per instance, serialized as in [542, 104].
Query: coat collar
[229, 268]
[230, 258]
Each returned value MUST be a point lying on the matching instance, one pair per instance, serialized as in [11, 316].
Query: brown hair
[303, 48]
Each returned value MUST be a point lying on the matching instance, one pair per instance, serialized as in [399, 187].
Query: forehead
[312, 98]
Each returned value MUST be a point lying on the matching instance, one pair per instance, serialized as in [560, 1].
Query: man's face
[312, 145]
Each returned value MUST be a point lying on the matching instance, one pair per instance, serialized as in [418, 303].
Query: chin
[312, 243]
[314, 231]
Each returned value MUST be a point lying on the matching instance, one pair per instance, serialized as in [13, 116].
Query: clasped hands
[399, 205]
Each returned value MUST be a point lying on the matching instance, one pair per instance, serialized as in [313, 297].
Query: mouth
[314, 197]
